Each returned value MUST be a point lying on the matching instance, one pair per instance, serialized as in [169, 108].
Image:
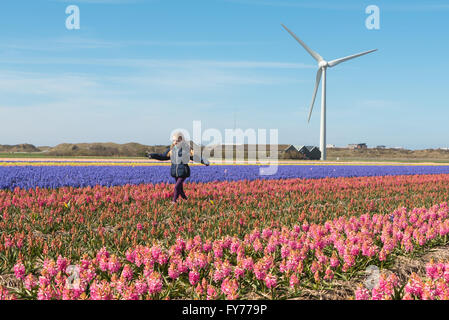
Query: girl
[180, 154]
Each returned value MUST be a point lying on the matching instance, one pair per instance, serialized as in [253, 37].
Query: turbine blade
[315, 55]
[317, 83]
[337, 61]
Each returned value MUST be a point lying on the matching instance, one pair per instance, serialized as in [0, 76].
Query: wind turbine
[322, 66]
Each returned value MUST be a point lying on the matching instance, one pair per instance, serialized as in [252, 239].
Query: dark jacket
[179, 167]
[179, 164]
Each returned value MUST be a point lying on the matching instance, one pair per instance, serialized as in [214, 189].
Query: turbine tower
[322, 67]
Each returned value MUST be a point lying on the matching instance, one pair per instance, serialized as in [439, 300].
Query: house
[291, 152]
[309, 152]
[291, 148]
[330, 146]
[314, 153]
[358, 146]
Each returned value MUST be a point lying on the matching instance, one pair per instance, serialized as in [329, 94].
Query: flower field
[236, 237]
[26, 175]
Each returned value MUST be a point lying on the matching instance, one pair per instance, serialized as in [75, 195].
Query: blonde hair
[178, 134]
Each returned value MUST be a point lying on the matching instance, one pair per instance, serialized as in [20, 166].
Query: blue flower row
[27, 177]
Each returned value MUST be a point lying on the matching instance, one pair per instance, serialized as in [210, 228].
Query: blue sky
[135, 70]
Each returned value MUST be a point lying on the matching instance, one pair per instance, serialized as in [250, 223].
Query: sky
[136, 70]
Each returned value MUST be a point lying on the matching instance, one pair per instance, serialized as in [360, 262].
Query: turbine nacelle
[323, 64]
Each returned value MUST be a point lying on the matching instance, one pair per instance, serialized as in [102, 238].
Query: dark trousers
[179, 190]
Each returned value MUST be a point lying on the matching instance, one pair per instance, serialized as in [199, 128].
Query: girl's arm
[160, 156]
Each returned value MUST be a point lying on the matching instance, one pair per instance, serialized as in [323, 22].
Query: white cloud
[160, 63]
[338, 5]
[202, 80]
[334, 5]
[103, 1]
[22, 88]
[75, 43]
[42, 84]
